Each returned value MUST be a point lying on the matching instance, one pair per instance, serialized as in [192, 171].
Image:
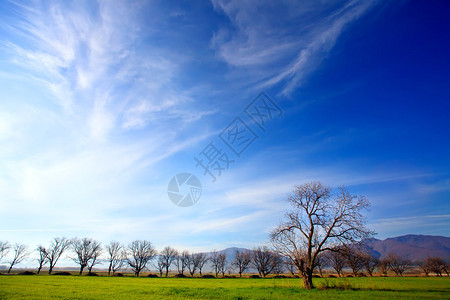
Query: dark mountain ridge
[413, 247]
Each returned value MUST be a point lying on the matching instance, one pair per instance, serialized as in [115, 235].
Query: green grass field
[76, 287]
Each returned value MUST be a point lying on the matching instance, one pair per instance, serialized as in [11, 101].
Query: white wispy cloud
[269, 54]
[100, 80]
[429, 224]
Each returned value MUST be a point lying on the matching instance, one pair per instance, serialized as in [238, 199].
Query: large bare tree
[319, 220]
[42, 259]
[168, 256]
[242, 261]
[140, 254]
[20, 253]
[116, 256]
[57, 247]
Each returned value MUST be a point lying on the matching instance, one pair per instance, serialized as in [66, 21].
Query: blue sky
[101, 103]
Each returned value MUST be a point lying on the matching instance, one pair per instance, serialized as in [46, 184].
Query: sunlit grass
[71, 287]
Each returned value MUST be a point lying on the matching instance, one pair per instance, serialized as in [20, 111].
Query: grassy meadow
[86, 287]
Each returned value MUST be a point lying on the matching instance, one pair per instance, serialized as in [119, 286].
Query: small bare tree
[278, 264]
[141, 253]
[201, 259]
[222, 259]
[116, 256]
[398, 264]
[57, 247]
[182, 261]
[215, 261]
[319, 221]
[263, 259]
[4, 249]
[168, 255]
[80, 248]
[336, 260]
[160, 265]
[384, 266]
[320, 263]
[291, 268]
[424, 267]
[192, 264]
[369, 263]
[86, 253]
[354, 259]
[436, 265]
[42, 259]
[96, 253]
[196, 261]
[242, 261]
[20, 253]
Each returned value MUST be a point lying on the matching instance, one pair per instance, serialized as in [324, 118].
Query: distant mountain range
[412, 247]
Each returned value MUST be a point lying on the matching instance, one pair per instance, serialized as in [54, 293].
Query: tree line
[325, 227]
[139, 254]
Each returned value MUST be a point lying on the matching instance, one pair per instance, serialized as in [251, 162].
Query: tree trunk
[9, 270]
[50, 269]
[307, 280]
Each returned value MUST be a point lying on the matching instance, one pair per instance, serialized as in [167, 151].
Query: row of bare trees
[435, 265]
[86, 253]
[263, 259]
[357, 260]
[319, 228]
[137, 255]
